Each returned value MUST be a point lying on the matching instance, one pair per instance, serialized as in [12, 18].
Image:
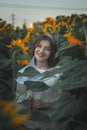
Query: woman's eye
[48, 49]
[39, 46]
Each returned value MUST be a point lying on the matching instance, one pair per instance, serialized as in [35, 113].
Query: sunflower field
[16, 45]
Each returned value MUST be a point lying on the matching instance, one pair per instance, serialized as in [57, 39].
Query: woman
[43, 65]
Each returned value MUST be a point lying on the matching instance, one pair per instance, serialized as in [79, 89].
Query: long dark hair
[54, 48]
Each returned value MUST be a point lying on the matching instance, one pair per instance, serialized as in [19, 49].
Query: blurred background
[18, 12]
[66, 21]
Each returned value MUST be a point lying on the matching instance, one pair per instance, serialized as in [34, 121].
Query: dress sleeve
[51, 94]
[21, 93]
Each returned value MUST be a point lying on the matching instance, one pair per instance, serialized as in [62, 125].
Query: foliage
[71, 107]
[76, 33]
[70, 34]
[5, 78]
[10, 116]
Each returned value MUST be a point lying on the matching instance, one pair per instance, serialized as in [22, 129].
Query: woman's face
[43, 51]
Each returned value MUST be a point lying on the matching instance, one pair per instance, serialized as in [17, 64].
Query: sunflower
[3, 25]
[10, 117]
[48, 29]
[77, 30]
[23, 62]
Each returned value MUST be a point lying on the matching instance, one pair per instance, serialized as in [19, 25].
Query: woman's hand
[39, 104]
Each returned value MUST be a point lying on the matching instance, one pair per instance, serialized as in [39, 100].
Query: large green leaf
[4, 62]
[82, 126]
[69, 106]
[29, 72]
[36, 85]
[5, 90]
[63, 108]
[75, 77]
[75, 51]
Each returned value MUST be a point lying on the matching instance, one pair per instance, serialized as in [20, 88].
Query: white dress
[50, 94]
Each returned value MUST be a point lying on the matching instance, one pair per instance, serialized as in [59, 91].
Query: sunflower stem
[14, 68]
[85, 33]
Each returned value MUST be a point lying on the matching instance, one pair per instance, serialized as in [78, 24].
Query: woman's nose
[41, 49]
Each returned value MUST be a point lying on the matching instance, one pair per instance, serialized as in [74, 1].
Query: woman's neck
[42, 66]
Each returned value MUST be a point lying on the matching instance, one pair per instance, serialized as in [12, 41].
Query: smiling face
[43, 51]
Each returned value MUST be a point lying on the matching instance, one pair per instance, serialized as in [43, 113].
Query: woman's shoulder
[23, 69]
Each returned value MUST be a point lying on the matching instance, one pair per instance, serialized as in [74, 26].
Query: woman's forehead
[44, 42]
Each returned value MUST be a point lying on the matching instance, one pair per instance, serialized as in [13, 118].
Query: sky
[30, 11]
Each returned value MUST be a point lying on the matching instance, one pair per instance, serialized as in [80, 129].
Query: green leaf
[25, 57]
[4, 62]
[83, 126]
[63, 108]
[69, 106]
[75, 77]
[36, 85]
[75, 51]
[29, 72]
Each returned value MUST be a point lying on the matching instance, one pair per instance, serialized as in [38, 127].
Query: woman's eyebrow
[47, 46]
